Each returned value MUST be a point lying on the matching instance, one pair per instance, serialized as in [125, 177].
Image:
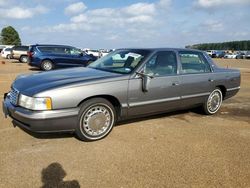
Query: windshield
[120, 61]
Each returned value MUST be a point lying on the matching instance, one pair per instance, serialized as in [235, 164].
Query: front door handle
[210, 80]
[175, 84]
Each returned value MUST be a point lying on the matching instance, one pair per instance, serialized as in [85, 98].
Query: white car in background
[105, 52]
[230, 56]
[95, 53]
[6, 53]
[211, 53]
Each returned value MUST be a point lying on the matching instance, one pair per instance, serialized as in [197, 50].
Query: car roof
[21, 46]
[51, 45]
[162, 49]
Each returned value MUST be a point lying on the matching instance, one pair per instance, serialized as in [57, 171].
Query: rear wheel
[95, 120]
[213, 102]
[47, 65]
[8, 56]
[23, 59]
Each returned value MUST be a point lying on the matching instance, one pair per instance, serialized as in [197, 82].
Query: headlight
[35, 103]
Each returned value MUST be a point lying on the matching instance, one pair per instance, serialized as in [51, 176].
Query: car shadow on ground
[59, 135]
[34, 69]
[53, 175]
[16, 62]
[196, 111]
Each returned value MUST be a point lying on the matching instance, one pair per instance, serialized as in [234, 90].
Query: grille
[14, 96]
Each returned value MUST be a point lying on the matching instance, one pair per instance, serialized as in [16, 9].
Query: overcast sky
[127, 23]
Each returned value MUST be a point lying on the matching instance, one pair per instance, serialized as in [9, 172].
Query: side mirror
[81, 54]
[145, 81]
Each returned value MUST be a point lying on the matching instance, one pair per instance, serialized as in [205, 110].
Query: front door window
[162, 64]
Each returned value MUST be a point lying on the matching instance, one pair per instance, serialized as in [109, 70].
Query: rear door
[196, 77]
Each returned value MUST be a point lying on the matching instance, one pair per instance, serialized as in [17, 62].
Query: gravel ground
[182, 149]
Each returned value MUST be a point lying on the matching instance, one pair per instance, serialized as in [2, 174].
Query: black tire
[213, 102]
[47, 65]
[23, 59]
[89, 62]
[8, 56]
[96, 119]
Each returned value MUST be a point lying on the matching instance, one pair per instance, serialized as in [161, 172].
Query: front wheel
[95, 120]
[89, 62]
[213, 102]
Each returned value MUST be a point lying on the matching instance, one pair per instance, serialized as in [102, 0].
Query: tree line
[233, 45]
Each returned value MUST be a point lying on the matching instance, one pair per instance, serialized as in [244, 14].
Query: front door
[163, 91]
[77, 57]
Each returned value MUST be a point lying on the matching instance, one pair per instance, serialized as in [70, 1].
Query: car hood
[31, 84]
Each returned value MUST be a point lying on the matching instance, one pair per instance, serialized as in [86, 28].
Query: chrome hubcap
[214, 101]
[47, 65]
[24, 59]
[97, 120]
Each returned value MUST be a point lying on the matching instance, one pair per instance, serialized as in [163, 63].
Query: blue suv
[48, 57]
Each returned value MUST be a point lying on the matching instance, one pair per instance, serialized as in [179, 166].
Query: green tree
[9, 36]
[233, 45]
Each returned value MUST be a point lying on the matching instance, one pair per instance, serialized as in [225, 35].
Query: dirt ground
[184, 149]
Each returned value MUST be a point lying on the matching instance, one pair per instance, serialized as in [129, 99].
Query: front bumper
[41, 121]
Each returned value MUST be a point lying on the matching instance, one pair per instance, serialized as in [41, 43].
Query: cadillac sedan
[124, 84]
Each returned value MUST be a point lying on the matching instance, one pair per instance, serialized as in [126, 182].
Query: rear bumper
[42, 121]
[33, 64]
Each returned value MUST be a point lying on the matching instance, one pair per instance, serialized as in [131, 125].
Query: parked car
[211, 53]
[220, 54]
[247, 55]
[240, 55]
[95, 53]
[105, 52]
[20, 53]
[48, 57]
[230, 56]
[6, 53]
[89, 101]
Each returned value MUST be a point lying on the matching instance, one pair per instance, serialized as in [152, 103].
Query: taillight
[30, 54]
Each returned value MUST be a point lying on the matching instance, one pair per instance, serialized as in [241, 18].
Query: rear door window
[193, 62]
